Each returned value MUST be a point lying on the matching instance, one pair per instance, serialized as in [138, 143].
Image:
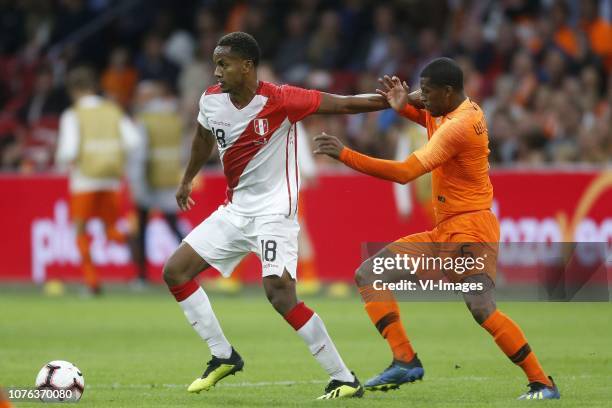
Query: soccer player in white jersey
[253, 124]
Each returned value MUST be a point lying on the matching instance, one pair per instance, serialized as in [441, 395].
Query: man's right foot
[343, 389]
[216, 370]
[541, 391]
[396, 374]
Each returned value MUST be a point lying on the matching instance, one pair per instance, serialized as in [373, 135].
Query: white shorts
[224, 238]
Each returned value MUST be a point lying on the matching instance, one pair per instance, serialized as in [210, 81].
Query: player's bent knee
[168, 273]
[363, 274]
[172, 272]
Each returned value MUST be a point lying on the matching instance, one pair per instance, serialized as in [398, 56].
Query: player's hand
[183, 197]
[329, 145]
[396, 91]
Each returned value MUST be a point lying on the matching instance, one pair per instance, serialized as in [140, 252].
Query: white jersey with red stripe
[258, 145]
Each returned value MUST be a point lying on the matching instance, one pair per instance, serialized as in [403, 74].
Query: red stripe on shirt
[212, 90]
[287, 170]
[240, 154]
[297, 171]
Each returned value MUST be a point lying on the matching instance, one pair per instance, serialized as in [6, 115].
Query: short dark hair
[444, 71]
[242, 44]
[82, 78]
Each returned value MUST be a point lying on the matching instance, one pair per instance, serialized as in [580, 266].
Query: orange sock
[4, 401]
[384, 313]
[89, 270]
[511, 340]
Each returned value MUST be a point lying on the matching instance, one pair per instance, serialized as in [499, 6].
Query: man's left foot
[539, 391]
[396, 374]
[343, 389]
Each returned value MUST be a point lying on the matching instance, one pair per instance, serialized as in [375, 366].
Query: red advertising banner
[340, 212]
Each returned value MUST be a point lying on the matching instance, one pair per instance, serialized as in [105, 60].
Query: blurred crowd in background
[541, 70]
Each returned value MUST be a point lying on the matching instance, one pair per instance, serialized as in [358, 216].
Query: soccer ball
[60, 381]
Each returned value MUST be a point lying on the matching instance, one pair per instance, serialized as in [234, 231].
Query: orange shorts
[473, 235]
[103, 204]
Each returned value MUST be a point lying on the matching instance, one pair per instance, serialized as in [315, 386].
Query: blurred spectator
[156, 168]
[503, 137]
[473, 44]
[383, 55]
[292, 57]
[325, 49]
[598, 31]
[39, 121]
[207, 24]
[195, 77]
[524, 78]
[473, 82]
[255, 23]
[553, 68]
[428, 48]
[96, 140]
[46, 100]
[178, 45]
[565, 36]
[120, 77]
[153, 65]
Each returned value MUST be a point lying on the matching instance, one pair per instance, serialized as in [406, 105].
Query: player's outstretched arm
[200, 152]
[340, 104]
[396, 171]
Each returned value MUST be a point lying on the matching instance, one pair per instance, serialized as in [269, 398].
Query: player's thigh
[275, 241]
[220, 240]
[394, 262]
[82, 207]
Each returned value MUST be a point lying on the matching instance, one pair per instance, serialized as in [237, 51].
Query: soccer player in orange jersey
[457, 156]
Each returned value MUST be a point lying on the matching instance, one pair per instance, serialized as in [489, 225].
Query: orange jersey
[456, 155]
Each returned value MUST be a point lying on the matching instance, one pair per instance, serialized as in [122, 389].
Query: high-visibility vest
[164, 131]
[101, 152]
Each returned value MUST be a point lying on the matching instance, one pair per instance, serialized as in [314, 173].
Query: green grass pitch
[137, 350]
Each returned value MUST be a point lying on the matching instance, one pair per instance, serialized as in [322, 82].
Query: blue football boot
[395, 375]
[539, 391]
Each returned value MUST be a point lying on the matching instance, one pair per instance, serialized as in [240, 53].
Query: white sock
[200, 315]
[314, 333]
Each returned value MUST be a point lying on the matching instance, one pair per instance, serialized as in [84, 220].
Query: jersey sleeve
[300, 102]
[414, 114]
[445, 143]
[396, 171]
[201, 117]
[68, 143]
